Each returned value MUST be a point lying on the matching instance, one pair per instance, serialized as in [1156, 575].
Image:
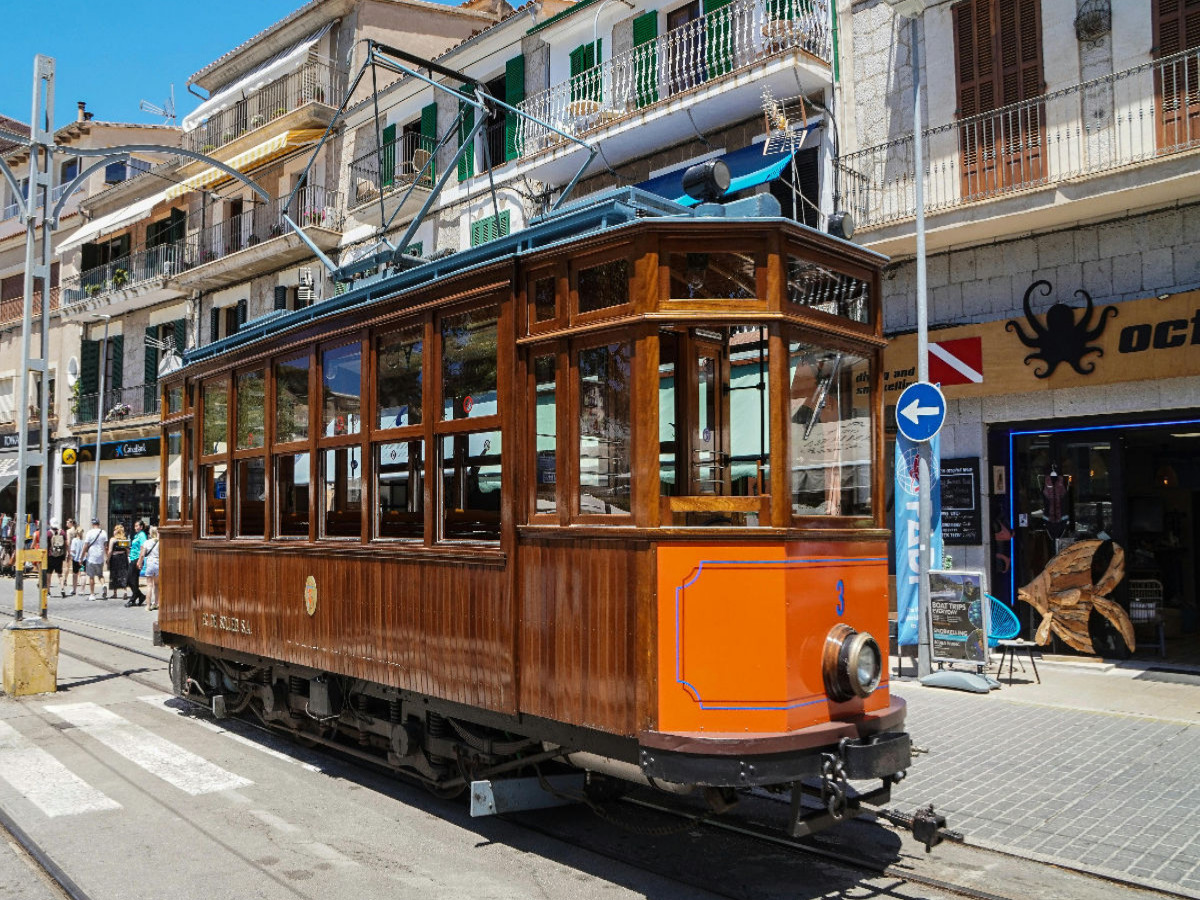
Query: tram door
[708, 412]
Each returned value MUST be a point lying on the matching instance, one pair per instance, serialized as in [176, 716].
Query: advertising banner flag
[907, 533]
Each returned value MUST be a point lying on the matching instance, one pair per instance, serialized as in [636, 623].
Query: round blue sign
[921, 411]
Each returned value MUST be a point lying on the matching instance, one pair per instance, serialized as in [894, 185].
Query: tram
[604, 492]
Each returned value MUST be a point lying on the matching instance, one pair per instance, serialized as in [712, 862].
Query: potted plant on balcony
[120, 278]
[258, 121]
[91, 290]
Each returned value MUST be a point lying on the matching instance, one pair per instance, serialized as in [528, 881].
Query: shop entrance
[132, 500]
[1135, 484]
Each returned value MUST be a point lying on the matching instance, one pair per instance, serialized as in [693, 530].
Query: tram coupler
[884, 756]
[927, 826]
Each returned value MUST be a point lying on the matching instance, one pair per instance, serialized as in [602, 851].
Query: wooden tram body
[610, 485]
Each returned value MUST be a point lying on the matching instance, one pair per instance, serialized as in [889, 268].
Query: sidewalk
[1096, 768]
[110, 614]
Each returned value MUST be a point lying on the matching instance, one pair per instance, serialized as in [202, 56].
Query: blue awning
[748, 168]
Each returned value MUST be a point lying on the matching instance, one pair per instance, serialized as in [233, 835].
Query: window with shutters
[998, 60]
[645, 58]
[489, 228]
[586, 79]
[496, 128]
[466, 122]
[1176, 77]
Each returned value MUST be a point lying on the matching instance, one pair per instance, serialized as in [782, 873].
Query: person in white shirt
[95, 551]
[76, 555]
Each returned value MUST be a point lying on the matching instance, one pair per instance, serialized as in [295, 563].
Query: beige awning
[248, 159]
[113, 221]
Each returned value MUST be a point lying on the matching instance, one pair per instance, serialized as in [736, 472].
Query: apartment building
[1062, 197]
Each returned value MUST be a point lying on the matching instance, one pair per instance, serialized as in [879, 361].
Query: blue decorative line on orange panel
[789, 704]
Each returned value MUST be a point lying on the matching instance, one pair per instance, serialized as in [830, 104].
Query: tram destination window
[829, 408]
[174, 476]
[341, 492]
[605, 406]
[216, 499]
[341, 390]
[293, 484]
[713, 276]
[291, 400]
[216, 418]
[603, 286]
[251, 497]
[399, 378]
[814, 286]
[251, 409]
[400, 490]
[469, 363]
[546, 438]
[471, 482]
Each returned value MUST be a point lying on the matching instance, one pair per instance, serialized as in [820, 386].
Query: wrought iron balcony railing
[396, 165]
[1146, 113]
[118, 405]
[135, 269]
[317, 81]
[312, 206]
[704, 50]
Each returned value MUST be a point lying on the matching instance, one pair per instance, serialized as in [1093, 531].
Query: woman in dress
[148, 563]
[118, 561]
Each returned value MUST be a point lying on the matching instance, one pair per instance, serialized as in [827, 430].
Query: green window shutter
[281, 294]
[416, 248]
[718, 34]
[387, 157]
[180, 336]
[489, 228]
[89, 368]
[429, 132]
[118, 362]
[583, 59]
[502, 228]
[514, 93]
[645, 59]
[214, 325]
[466, 121]
[475, 232]
[243, 312]
[150, 370]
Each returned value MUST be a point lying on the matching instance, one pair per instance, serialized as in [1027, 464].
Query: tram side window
[291, 400]
[604, 285]
[545, 304]
[829, 408]
[251, 497]
[400, 490]
[749, 391]
[174, 476]
[605, 401]
[341, 492]
[546, 438]
[216, 418]
[667, 445]
[713, 276]
[399, 378]
[469, 363]
[251, 409]
[292, 486]
[471, 482]
[216, 494]
[812, 285]
[341, 390]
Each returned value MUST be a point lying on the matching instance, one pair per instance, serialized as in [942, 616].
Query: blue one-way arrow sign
[921, 411]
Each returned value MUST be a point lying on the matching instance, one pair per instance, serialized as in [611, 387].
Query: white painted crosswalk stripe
[167, 704]
[44, 781]
[158, 756]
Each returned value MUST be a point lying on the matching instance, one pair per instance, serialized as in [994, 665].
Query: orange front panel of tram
[741, 629]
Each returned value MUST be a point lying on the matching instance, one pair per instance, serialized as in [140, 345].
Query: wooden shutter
[118, 366]
[214, 325]
[150, 373]
[514, 93]
[180, 336]
[718, 38]
[243, 310]
[466, 121]
[281, 293]
[1176, 29]
[89, 369]
[387, 157]
[429, 133]
[585, 84]
[645, 60]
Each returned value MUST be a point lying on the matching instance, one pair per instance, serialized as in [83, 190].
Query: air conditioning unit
[306, 293]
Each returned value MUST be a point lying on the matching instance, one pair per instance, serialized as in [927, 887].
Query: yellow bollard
[29, 647]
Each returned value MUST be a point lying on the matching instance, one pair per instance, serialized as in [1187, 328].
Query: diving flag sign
[956, 362]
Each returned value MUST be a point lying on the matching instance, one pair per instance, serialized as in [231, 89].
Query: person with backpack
[56, 555]
[95, 548]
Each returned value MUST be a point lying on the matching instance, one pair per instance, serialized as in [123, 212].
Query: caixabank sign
[1062, 340]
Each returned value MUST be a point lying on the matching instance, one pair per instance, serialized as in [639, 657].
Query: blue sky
[113, 55]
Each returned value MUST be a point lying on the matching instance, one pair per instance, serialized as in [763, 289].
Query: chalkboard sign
[962, 522]
[959, 616]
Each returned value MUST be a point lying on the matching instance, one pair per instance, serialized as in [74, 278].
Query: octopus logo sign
[310, 595]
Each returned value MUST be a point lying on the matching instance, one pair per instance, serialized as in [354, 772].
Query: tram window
[291, 400]
[545, 302]
[713, 276]
[174, 400]
[251, 409]
[174, 476]
[469, 363]
[605, 465]
[187, 473]
[604, 285]
[341, 390]
[216, 418]
[814, 286]
[251, 497]
[216, 494]
[544, 373]
[829, 408]
[749, 390]
[292, 485]
[400, 490]
[398, 374]
[471, 482]
[667, 447]
[341, 492]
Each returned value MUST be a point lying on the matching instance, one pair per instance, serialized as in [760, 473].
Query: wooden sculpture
[1065, 596]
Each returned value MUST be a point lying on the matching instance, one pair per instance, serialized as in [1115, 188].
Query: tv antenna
[167, 110]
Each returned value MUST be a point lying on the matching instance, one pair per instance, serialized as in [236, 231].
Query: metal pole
[925, 461]
[100, 419]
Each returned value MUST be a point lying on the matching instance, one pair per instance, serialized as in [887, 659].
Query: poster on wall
[962, 522]
[958, 616]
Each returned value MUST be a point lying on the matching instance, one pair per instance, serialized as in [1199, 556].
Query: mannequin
[1054, 492]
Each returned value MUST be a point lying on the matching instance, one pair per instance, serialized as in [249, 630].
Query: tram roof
[604, 212]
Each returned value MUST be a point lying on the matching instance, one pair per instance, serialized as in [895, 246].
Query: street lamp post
[99, 417]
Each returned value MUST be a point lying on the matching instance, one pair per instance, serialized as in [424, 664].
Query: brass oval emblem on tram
[310, 595]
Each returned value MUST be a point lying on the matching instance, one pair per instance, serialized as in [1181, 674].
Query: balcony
[12, 311]
[259, 241]
[305, 98]
[1121, 141]
[715, 67]
[121, 406]
[390, 171]
[142, 278]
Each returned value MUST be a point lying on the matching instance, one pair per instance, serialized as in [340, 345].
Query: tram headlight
[852, 663]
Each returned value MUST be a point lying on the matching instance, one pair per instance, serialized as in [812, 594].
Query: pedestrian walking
[149, 566]
[56, 555]
[118, 561]
[95, 548]
[77, 558]
[136, 597]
